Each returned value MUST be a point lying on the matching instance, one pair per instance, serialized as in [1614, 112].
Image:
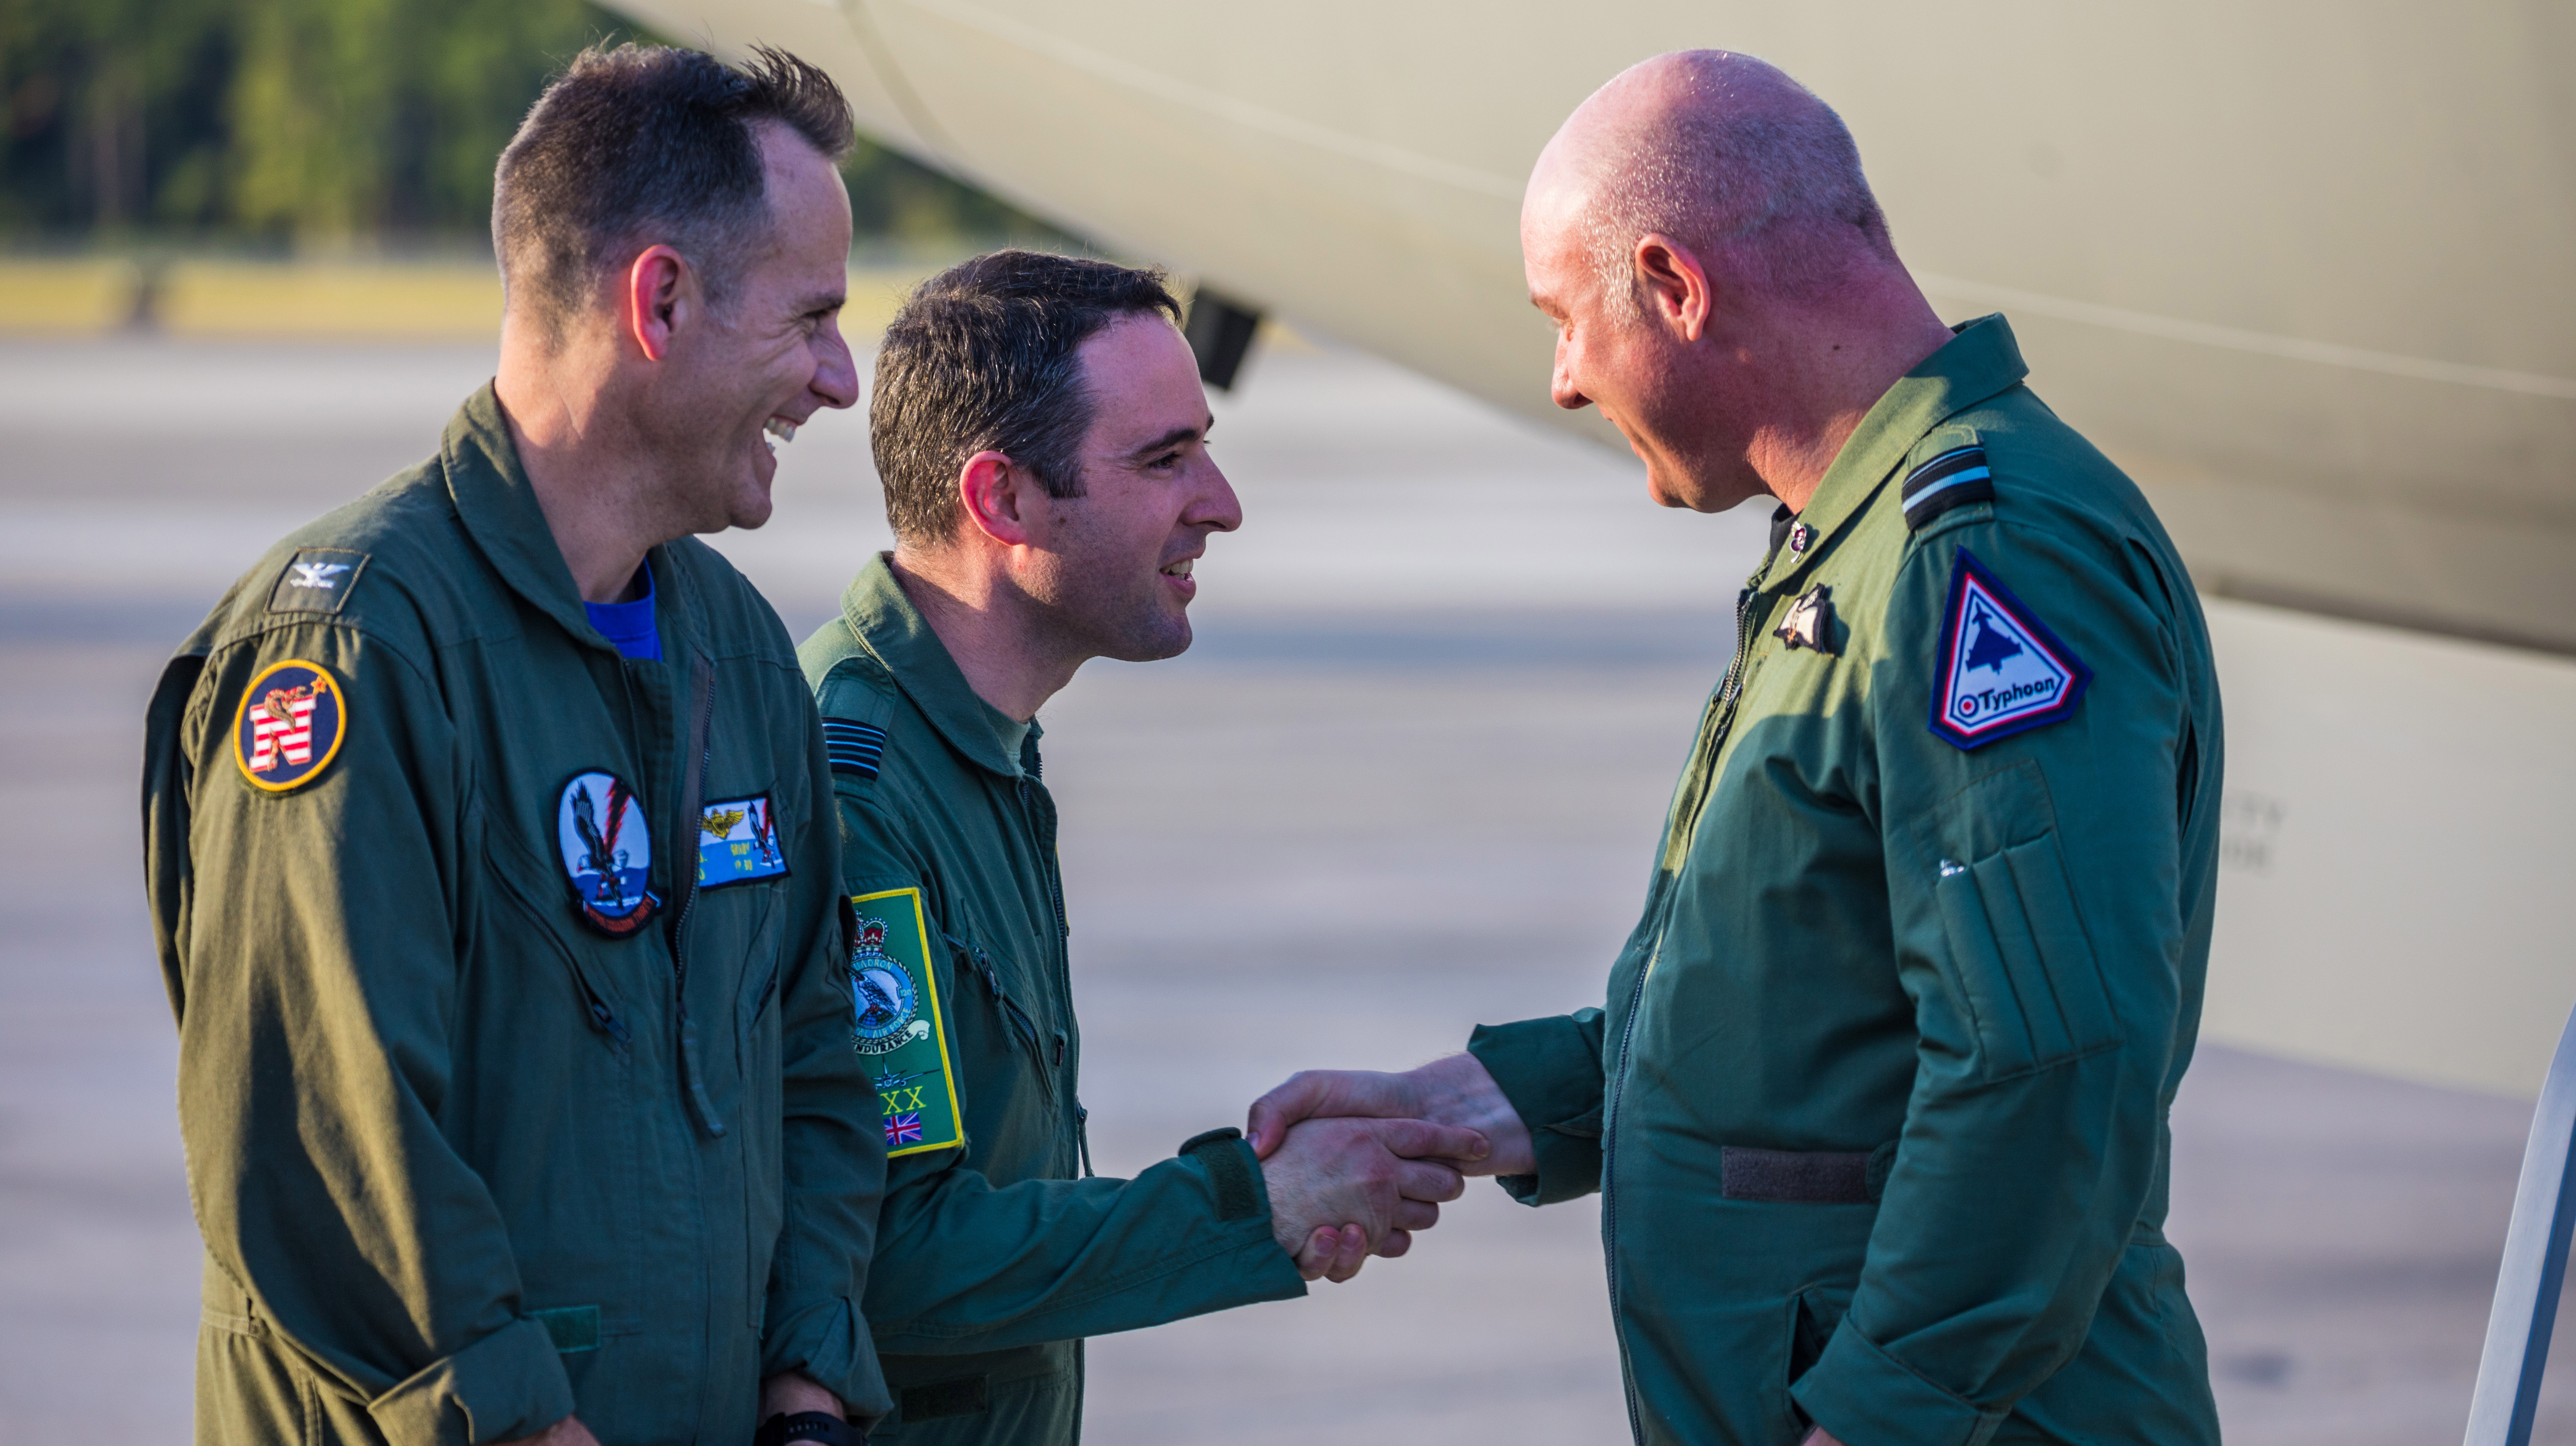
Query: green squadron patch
[897, 1025]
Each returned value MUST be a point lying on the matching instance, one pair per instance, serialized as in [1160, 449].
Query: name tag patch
[1999, 670]
[738, 842]
[897, 1026]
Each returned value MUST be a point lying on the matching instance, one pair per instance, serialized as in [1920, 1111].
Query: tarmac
[1408, 780]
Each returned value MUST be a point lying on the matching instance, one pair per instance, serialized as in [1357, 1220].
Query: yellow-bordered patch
[897, 1024]
[289, 725]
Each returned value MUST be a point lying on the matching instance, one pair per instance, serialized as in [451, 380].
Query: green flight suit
[996, 1257]
[1878, 1104]
[475, 1143]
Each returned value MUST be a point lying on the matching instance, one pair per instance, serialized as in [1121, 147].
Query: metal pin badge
[1811, 620]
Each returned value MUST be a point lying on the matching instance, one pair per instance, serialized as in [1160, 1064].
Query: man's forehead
[1143, 383]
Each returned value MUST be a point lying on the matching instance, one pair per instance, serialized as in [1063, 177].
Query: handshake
[1356, 1161]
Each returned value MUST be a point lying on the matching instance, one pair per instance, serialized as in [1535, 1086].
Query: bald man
[1877, 1101]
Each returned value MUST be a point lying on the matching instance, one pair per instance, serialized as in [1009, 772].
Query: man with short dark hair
[1877, 1103]
[1042, 438]
[488, 843]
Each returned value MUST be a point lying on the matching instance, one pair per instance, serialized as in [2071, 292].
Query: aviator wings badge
[1811, 620]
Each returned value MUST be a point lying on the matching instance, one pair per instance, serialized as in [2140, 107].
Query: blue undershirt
[628, 626]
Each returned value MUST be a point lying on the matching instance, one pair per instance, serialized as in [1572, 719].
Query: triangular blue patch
[1999, 670]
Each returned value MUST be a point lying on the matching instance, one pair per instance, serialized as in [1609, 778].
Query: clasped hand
[1356, 1161]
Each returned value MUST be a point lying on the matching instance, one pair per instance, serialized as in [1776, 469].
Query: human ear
[991, 489]
[1674, 286]
[658, 293]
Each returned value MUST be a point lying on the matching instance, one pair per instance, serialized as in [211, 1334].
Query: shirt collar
[501, 513]
[886, 623]
[1980, 361]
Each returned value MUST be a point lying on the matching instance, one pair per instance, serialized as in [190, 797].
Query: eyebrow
[1174, 438]
[822, 301]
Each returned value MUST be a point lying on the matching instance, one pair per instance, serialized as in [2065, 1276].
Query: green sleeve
[1550, 1069]
[319, 947]
[833, 1148]
[2033, 885]
[965, 1265]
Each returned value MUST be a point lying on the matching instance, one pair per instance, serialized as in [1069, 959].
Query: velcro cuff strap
[1550, 1070]
[1858, 1392]
[509, 1384]
[1231, 1168]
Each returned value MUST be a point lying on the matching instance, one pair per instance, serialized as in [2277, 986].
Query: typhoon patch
[896, 1024]
[1998, 670]
[289, 726]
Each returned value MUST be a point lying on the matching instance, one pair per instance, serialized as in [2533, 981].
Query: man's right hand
[1455, 1091]
[1365, 1183]
[567, 1432]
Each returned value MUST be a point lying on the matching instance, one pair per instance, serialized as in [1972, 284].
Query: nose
[836, 372]
[1216, 508]
[1560, 383]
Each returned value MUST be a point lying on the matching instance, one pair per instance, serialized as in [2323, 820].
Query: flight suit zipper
[684, 876]
[1038, 808]
[1713, 730]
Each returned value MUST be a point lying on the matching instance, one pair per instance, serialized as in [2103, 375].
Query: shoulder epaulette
[1952, 479]
[857, 700]
[855, 747]
[317, 580]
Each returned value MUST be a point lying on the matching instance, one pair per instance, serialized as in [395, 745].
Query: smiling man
[1876, 1098]
[488, 838]
[1042, 438]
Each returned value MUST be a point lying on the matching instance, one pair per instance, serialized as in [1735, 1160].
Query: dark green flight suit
[477, 1138]
[1878, 1104]
[994, 1257]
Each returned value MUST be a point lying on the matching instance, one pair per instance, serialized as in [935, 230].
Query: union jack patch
[903, 1129]
[289, 726]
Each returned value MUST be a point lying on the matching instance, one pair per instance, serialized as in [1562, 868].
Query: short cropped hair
[645, 145]
[1753, 163]
[982, 358]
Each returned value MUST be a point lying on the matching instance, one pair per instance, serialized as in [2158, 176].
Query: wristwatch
[820, 1426]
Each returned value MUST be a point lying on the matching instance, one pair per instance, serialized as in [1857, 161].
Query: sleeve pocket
[2021, 960]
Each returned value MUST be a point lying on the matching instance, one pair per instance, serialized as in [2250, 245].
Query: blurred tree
[322, 120]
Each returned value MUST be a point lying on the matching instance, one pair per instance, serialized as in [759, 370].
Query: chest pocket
[2018, 954]
[1016, 1018]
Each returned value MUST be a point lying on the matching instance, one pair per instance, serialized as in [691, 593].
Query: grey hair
[1749, 163]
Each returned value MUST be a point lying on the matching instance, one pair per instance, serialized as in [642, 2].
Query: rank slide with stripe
[854, 747]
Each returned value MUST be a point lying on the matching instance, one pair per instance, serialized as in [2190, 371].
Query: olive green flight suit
[995, 1257]
[1878, 1104]
[464, 1162]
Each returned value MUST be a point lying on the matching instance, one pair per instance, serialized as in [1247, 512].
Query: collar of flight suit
[887, 624]
[500, 512]
[1980, 361]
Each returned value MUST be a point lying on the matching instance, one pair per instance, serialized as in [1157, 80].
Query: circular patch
[290, 723]
[882, 993]
[607, 852]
